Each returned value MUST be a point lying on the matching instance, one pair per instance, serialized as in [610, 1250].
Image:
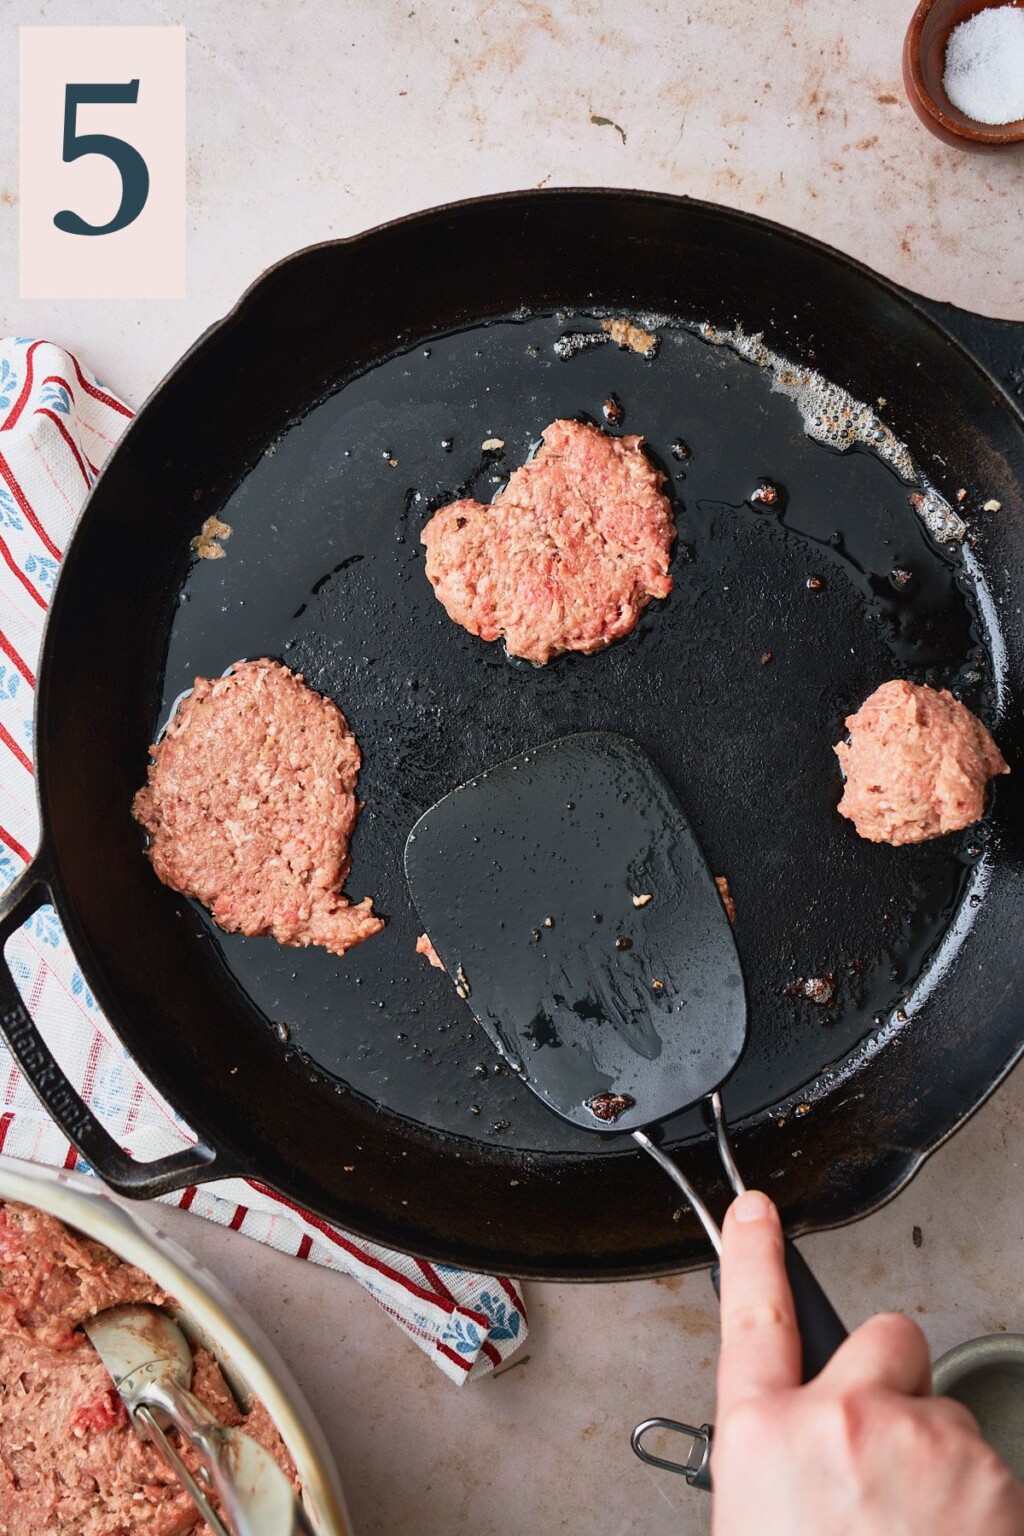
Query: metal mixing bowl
[251, 1363]
[987, 1376]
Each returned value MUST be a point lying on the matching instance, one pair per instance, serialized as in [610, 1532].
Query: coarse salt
[984, 73]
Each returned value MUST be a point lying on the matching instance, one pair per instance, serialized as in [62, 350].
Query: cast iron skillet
[360, 1087]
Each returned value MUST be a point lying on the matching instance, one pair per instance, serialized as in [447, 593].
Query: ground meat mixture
[628, 334]
[70, 1462]
[916, 766]
[567, 556]
[207, 542]
[424, 947]
[727, 901]
[251, 804]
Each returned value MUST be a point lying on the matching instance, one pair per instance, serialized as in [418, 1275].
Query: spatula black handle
[821, 1331]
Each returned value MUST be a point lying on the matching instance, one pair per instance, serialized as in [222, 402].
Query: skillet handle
[821, 1331]
[142, 1181]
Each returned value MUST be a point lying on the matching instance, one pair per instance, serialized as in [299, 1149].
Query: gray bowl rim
[966, 1359]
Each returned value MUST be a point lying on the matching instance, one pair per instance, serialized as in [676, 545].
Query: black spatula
[568, 898]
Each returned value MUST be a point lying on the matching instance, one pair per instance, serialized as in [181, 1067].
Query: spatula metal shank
[569, 900]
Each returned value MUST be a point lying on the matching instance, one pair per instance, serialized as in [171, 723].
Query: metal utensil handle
[168, 1451]
[679, 1178]
[257, 1497]
[821, 1330]
[143, 1181]
[696, 1468]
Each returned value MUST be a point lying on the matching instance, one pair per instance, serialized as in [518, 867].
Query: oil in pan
[804, 577]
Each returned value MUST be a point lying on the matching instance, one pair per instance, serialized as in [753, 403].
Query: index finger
[760, 1340]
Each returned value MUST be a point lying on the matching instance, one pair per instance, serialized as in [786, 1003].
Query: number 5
[133, 169]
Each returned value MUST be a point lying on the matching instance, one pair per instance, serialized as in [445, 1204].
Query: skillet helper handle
[59, 1097]
[998, 345]
[821, 1331]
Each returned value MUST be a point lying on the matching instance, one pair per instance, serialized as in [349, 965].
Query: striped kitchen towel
[57, 425]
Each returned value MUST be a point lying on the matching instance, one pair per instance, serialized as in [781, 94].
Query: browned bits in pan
[609, 1106]
[612, 410]
[765, 493]
[817, 989]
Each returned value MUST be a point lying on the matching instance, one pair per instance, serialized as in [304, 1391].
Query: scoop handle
[257, 1497]
[821, 1330]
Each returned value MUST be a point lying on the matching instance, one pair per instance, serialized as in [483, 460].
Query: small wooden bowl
[924, 62]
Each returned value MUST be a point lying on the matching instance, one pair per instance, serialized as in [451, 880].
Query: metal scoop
[150, 1362]
[568, 898]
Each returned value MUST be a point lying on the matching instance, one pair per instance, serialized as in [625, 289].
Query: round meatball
[916, 765]
[250, 806]
[568, 554]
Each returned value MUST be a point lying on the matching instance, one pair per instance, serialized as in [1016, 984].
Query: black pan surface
[324, 570]
[348, 396]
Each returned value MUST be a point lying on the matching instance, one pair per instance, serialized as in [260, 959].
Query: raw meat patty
[916, 766]
[250, 804]
[70, 1462]
[567, 556]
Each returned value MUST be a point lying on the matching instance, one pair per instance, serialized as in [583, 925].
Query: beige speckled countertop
[311, 119]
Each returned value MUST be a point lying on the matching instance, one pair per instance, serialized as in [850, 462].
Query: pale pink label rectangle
[145, 258]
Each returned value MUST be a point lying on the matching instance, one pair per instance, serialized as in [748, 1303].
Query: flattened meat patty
[70, 1462]
[917, 765]
[250, 804]
[567, 556]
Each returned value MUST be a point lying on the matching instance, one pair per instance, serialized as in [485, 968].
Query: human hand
[862, 1450]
